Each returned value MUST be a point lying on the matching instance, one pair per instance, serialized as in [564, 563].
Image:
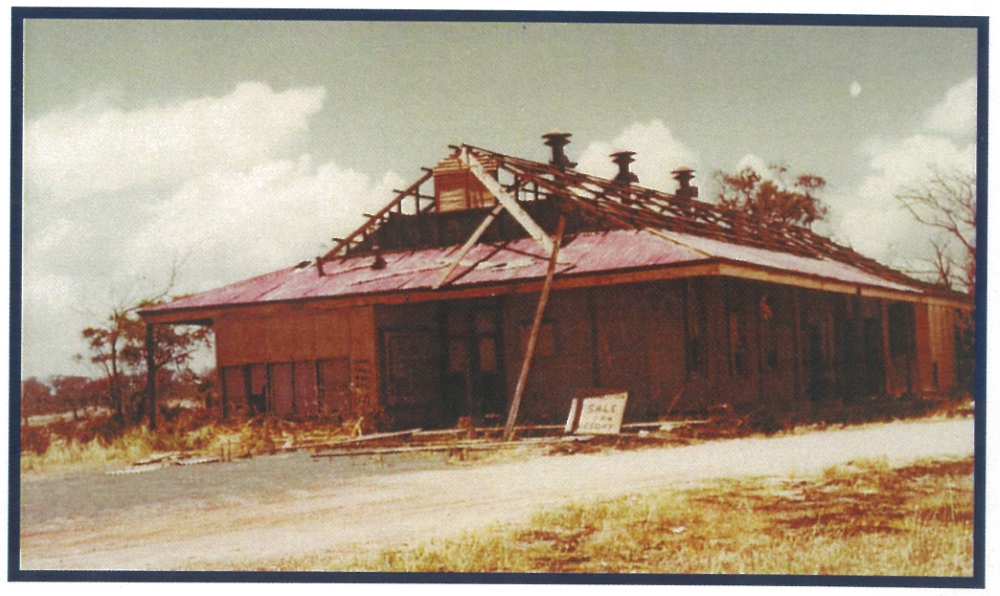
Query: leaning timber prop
[533, 338]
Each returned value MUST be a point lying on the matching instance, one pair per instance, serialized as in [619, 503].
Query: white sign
[602, 415]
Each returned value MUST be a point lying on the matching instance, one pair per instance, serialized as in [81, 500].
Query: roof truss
[614, 205]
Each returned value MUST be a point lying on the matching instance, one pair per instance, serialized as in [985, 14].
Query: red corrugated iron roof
[515, 261]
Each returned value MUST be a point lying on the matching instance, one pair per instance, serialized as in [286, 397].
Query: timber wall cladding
[563, 361]
[308, 351]
[935, 330]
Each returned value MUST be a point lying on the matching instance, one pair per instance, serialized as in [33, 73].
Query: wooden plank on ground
[367, 439]
[456, 446]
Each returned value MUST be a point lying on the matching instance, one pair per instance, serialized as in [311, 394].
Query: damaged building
[424, 314]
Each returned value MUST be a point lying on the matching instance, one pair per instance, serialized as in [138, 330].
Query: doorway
[473, 375]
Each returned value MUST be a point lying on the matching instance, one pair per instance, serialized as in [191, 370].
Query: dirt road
[364, 514]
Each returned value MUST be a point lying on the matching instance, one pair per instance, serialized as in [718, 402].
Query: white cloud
[754, 162]
[872, 220]
[51, 321]
[72, 154]
[232, 225]
[956, 115]
[658, 153]
[113, 199]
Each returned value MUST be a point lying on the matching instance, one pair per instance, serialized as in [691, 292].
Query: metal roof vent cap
[559, 140]
[683, 176]
[625, 176]
[379, 262]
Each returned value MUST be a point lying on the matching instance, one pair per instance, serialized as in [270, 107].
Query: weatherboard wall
[310, 362]
[676, 346]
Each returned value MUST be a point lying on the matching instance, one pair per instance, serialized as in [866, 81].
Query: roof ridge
[698, 218]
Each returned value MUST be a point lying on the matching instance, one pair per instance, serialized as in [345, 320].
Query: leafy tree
[106, 343]
[118, 346]
[946, 202]
[36, 398]
[774, 199]
[75, 393]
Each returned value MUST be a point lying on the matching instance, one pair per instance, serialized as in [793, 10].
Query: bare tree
[946, 202]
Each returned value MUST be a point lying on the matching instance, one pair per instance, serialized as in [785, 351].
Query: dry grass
[68, 446]
[859, 519]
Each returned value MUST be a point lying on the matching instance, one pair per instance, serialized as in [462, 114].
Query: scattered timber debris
[158, 461]
[455, 446]
[719, 422]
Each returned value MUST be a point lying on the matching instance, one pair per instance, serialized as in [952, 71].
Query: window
[411, 364]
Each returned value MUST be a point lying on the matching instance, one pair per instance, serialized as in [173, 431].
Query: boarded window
[485, 321]
[235, 387]
[695, 324]
[899, 328]
[739, 354]
[281, 393]
[411, 362]
[333, 386]
[487, 354]
[304, 384]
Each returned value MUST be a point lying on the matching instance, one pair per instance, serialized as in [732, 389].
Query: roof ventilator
[683, 176]
[559, 140]
[379, 262]
[622, 159]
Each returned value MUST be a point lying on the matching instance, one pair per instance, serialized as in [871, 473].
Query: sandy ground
[366, 514]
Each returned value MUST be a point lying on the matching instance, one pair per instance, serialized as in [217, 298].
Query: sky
[223, 150]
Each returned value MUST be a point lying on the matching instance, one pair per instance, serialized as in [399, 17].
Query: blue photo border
[20, 14]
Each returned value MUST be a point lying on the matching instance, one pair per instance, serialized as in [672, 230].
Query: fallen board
[460, 446]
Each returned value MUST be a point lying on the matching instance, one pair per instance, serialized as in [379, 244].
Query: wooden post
[530, 350]
[799, 373]
[914, 380]
[224, 398]
[860, 364]
[886, 346]
[151, 376]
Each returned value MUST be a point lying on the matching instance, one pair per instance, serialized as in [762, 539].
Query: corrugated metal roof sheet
[822, 268]
[518, 260]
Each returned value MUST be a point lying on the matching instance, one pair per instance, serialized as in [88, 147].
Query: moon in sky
[855, 89]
